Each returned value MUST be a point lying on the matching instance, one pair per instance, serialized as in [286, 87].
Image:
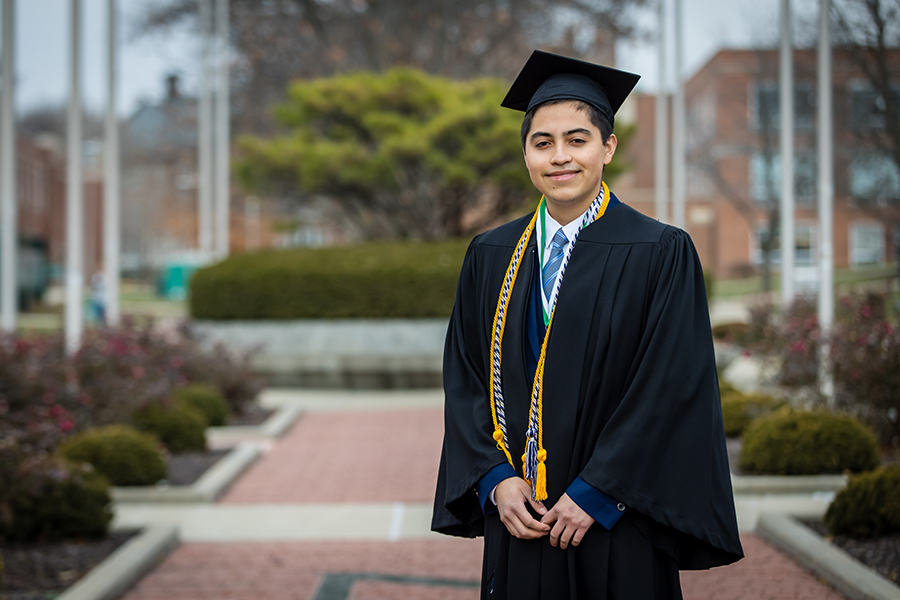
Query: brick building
[733, 162]
[41, 216]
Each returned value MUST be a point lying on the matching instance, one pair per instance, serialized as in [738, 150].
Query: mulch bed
[254, 414]
[187, 467]
[41, 571]
[880, 554]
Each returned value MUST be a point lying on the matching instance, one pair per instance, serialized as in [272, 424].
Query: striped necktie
[551, 269]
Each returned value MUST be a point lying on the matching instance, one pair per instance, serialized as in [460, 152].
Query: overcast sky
[42, 33]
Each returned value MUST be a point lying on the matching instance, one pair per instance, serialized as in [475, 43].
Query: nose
[560, 156]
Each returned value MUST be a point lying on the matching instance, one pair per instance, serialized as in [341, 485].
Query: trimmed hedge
[180, 428]
[807, 443]
[869, 506]
[207, 399]
[739, 410]
[123, 454]
[57, 500]
[375, 280]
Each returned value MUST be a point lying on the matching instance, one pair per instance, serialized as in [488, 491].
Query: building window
[701, 121]
[804, 245]
[866, 244]
[765, 106]
[874, 178]
[765, 177]
[867, 105]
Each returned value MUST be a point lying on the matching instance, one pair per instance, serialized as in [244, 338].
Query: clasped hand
[566, 523]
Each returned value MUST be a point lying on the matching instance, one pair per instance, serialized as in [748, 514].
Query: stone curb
[206, 489]
[273, 427]
[850, 577]
[125, 566]
[787, 484]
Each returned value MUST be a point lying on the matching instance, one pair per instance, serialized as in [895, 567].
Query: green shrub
[179, 428]
[807, 443]
[709, 282]
[739, 410]
[123, 454]
[734, 331]
[869, 506]
[377, 280]
[55, 499]
[207, 399]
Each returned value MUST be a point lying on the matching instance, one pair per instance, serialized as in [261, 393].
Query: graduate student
[583, 429]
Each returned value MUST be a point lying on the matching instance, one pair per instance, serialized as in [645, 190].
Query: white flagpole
[205, 132]
[787, 156]
[111, 190]
[679, 162]
[222, 137]
[8, 192]
[826, 201]
[662, 122]
[75, 193]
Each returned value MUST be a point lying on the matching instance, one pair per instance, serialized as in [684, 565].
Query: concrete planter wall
[349, 354]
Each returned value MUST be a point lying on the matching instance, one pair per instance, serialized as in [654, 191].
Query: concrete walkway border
[206, 489]
[274, 427]
[849, 576]
[121, 569]
[787, 484]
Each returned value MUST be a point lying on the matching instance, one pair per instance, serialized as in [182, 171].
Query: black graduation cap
[553, 77]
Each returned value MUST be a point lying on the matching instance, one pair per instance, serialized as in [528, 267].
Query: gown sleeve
[670, 411]
[469, 452]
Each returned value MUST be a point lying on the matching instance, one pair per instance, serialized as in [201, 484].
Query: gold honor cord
[535, 446]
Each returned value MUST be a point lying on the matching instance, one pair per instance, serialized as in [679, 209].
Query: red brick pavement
[763, 574]
[295, 570]
[383, 456]
[390, 456]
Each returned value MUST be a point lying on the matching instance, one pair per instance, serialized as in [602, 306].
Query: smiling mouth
[562, 175]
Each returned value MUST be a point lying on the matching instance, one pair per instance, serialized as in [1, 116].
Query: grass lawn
[844, 280]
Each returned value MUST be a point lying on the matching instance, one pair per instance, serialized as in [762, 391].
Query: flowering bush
[46, 395]
[791, 336]
[865, 353]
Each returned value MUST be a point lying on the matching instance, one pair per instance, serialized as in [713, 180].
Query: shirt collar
[551, 226]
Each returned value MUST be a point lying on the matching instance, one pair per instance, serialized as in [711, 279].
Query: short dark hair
[598, 119]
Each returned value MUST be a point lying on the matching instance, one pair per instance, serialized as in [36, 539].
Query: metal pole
[826, 203]
[205, 147]
[679, 162]
[111, 190]
[787, 156]
[222, 170]
[662, 123]
[8, 218]
[74, 193]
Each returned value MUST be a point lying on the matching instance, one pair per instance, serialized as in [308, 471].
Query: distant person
[583, 428]
[98, 296]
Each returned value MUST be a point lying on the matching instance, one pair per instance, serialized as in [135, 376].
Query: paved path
[339, 508]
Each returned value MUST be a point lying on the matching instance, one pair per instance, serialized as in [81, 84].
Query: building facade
[734, 165]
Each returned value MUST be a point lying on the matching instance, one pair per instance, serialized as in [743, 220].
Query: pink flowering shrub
[47, 395]
[865, 353]
[792, 336]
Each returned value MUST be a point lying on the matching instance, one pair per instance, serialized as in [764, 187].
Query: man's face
[565, 156]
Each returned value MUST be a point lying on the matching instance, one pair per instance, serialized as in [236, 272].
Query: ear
[610, 145]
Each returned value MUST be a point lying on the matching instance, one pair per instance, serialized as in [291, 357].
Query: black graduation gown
[631, 405]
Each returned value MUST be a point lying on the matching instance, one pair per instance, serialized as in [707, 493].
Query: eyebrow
[581, 130]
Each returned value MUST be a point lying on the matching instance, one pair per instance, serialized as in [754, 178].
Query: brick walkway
[383, 456]
[298, 570]
[389, 456]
